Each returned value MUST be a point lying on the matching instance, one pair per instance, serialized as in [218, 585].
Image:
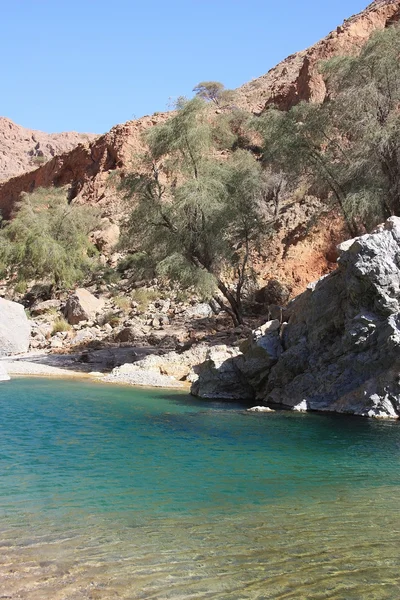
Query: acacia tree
[213, 91]
[304, 144]
[197, 214]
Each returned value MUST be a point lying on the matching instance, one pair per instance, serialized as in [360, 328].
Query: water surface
[114, 492]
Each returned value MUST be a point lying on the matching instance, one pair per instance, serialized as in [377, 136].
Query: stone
[85, 335]
[345, 246]
[274, 292]
[41, 308]
[199, 311]
[56, 344]
[4, 376]
[128, 334]
[340, 349]
[15, 329]
[301, 407]
[106, 239]
[82, 306]
[135, 374]
[220, 378]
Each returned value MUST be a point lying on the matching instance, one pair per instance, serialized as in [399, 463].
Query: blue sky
[89, 64]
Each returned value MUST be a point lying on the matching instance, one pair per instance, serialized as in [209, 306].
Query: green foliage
[231, 130]
[139, 264]
[366, 102]
[349, 147]
[295, 142]
[38, 160]
[184, 139]
[60, 325]
[213, 91]
[122, 302]
[21, 287]
[48, 239]
[197, 215]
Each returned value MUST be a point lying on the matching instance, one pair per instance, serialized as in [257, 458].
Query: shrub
[122, 302]
[143, 297]
[60, 325]
[47, 238]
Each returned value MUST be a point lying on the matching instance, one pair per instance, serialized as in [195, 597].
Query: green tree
[365, 108]
[47, 239]
[213, 91]
[349, 147]
[197, 214]
[304, 144]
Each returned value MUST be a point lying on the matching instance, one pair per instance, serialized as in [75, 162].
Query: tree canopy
[197, 213]
[213, 91]
[349, 147]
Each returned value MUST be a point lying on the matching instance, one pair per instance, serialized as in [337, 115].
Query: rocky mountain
[297, 254]
[23, 150]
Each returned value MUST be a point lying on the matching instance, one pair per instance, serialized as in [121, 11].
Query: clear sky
[85, 65]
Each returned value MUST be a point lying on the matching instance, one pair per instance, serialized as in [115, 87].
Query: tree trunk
[234, 309]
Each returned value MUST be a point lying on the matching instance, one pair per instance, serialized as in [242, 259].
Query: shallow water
[113, 492]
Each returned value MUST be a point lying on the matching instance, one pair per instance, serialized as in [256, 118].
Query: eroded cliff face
[87, 169]
[297, 78]
[23, 150]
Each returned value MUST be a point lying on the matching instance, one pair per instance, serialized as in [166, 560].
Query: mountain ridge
[23, 149]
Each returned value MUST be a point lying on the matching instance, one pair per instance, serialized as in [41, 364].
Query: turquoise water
[114, 492]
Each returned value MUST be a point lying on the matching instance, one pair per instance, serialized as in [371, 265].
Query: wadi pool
[114, 492]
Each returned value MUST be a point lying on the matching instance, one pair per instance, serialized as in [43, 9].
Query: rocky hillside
[23, 150]
[297, 254]
[297, 77]
[87, 169]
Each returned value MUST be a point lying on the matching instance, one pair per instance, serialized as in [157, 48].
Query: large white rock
[15, 329]
[4, 376]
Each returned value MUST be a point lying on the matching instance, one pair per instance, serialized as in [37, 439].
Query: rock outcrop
[173, 369]
[297, 253]
[340, 349]
[15, 329]
[87, 169]
[301, 249]
[23, 150]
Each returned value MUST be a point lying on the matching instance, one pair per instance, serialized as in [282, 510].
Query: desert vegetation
[47, 239]
[209, 189]
[348, 147]
[205, 198]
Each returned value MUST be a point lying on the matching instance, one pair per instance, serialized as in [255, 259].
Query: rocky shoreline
[335, 349]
